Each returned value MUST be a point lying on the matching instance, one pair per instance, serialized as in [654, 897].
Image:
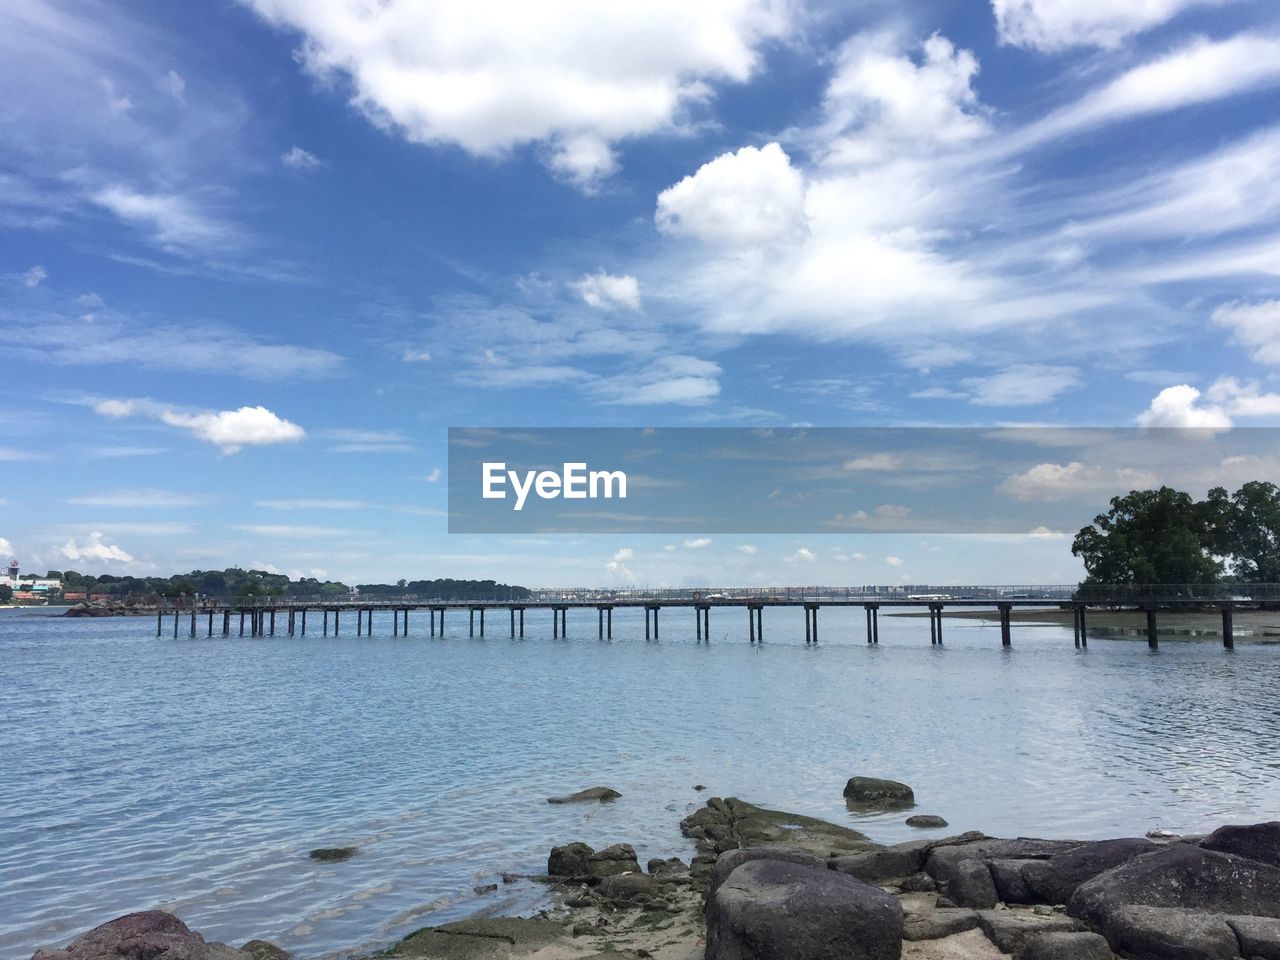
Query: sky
[257, 256]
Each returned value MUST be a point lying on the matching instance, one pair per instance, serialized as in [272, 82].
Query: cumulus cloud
[802, 555]
[619, 563]
[564, 76]
[747, 548]
[894, 561]
[432, 475]
[1253, 325]
[605, 292]
[875, 462]
[697, 544]
[1051, 25]
[298, 159]
[750, 197]
[34, 276]
[229, 430]
[94, 548]
[6, 548]
[1181, 405]
[1056, 481]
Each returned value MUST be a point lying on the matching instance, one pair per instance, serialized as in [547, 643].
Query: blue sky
[258, 256]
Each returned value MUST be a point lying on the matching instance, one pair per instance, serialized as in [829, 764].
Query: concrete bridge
[263, 617]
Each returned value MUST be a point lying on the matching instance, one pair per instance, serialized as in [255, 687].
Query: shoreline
[764, 884]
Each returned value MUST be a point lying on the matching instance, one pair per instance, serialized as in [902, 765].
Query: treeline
[445, 590]
[1166, 536]
[237, 582]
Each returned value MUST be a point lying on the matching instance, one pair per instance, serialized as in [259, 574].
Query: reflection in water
[196, 774]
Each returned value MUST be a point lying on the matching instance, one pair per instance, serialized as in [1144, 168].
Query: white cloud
[14, 455]
[174, 85]
[882, 102]
[747, 548]
[1054, 481]
[304, 503]
[605, 292]
[298, 159]
[34, 276]
[173, 220]
[876, 462]
[229, 430]
[347, 440]
[1253, 325]
[432, 475]
[802, 555]
[697, 544]
[1181, 406]
[747, 198]
[893, 561]
[286, 531]
[137, 498]
[1022, 385]
[1052, 25]
[671, 379]
[94, 549]
[6, 548]
[619, 563]
[411, 355]
[1044, 533]
[567, 76]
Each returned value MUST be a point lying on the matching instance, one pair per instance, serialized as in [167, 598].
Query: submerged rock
[769, 909]
[479, 938]
[332, 854]
[142, 936]
[875, 792]
[926, 821]
[590, 795]
[265, 950]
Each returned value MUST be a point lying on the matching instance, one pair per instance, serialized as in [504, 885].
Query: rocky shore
[110, 608]
[768, 885]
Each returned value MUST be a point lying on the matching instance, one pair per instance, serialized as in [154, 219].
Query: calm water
[196, 774]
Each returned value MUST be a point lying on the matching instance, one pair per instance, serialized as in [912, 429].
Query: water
[196, 774]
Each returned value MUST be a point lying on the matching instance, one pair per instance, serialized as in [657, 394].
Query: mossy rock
[735, 823]
[480, 938]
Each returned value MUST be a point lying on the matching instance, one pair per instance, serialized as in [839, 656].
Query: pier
[274, 617]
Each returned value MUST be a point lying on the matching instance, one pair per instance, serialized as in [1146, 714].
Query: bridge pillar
[1153, 640]
[326, 621]
[337, 624]
[304, 621]
[1006, 633]
[512, 611]
[273, 621]
[608, 622]
[193, 621]
[873, 622]
[1228, 628]
[210, 622]
[359, 622]
[159, 622]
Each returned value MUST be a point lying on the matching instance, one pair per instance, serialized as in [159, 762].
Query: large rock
[1257, 841]
[150, 935]
[875, 792]
[927, 821]
[884, 863]
[971, 885]
[611, 861]
[775, 910]
[1167, 933]
[1055, 880]
[569, 860]
[1011, 930]
[735, 823]
[630, 889]
[936, 924]
[1259, 936]
[590, 795]
[1180, 876]
[731, 860]
[1067, 946]
[478, 938]
[945, 857]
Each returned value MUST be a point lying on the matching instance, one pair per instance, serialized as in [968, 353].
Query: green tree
[1247, 530]
[6, 593]
[1149, 537]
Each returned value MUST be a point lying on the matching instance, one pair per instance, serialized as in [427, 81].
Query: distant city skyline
[259, 256]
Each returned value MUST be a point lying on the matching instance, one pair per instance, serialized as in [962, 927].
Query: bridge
[260, 614]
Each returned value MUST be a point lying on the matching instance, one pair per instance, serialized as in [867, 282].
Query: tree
[6, 593]
[1151, 536]
[1247, 526]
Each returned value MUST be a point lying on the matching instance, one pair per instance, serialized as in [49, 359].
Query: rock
[590, 795]
[1166, 933]
[332, 854]
[699, 787]
[1258, 841]
[918, 883]
[926, 821]
[946, 858]
[1011, 881]
[971, 885]
[1067, 946]
[937, 924]
[1042, 910]
[883, 863]
[509, 878]
[630, 889]
[672, 866]
[1159, 833]
[265, 950]
[771, 909]
[729, 861]
[611, 861]
[1181, 876]
[479, 938]
[1259, 937]
[569, 860]
[1055, 880]
[142, 936]
[1011, 930]
[735, 823]
[484, 888]
[874, 792]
